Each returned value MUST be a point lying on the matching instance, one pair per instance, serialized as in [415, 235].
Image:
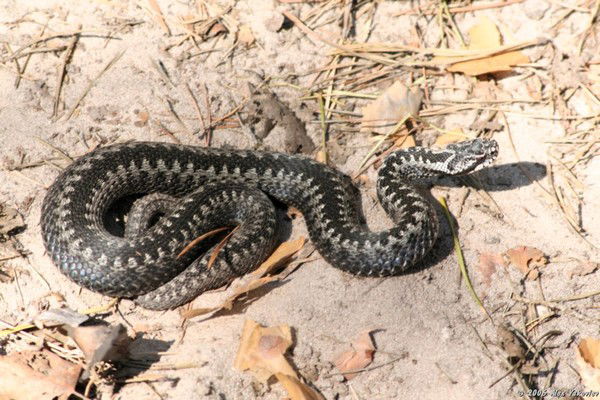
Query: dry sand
[426, 322]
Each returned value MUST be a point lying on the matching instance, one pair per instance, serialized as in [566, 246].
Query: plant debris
[262, 351]
[35, 375]
[254, 280]
[360, 356]
[528, 260]
[396, 103]
[484, 36]
[588, 362]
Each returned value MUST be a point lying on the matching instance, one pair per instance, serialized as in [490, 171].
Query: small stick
[93, 82]
[455, 10]
[63, 71]
[196, 106]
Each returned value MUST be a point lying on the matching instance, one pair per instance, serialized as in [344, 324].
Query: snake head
[471, 155]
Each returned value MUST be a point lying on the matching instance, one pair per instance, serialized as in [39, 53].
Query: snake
[182, 192]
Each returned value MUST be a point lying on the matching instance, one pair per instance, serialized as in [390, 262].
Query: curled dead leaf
[101, 342]
[528, 260]
[262, 352]
[588, 363]
[360, 356]
[394, 104]
[257, 278]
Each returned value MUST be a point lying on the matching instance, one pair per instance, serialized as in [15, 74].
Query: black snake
[194, 190]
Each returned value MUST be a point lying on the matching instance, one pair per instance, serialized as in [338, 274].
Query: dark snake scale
[191, 191]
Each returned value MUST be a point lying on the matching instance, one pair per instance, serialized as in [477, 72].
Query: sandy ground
[433, 340]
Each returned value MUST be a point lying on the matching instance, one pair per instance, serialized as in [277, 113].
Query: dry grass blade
[62, 72]
[461, 259]
[93, 82]
[158, 15]
[433, 9]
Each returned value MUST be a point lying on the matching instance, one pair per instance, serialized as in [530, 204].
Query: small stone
[274, 22]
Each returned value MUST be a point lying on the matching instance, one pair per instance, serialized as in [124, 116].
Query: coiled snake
[197, 190]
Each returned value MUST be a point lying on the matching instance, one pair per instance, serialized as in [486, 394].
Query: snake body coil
[205, 189]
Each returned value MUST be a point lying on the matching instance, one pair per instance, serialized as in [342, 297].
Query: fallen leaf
[484, 36]
[228, 303]
[34, 375]
[588, 363]
[583, 269]
[488, 262]
[394, 104]
[279, 256]
[528, 260]
[262, 352]
[449, 137]
[245, 35]
[358, 358]
[296, 389]
[101, 342]
[258, 278]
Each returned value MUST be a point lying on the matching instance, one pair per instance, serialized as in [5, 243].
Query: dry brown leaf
[583, 269]
[487, 265]
[101, 342]
[245, 35]
[279, 256]
[34, 375]
[296, 389]
[449, 137]
[262, 352]
[358, 358]
[227, 304]
[393, 105]
[528, 260]
[588, 362]
[484, 36]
